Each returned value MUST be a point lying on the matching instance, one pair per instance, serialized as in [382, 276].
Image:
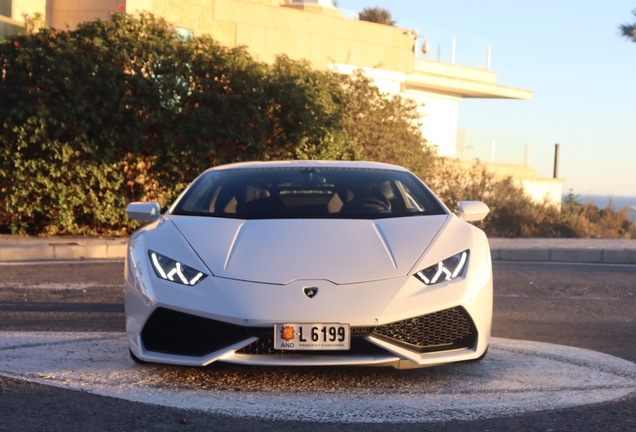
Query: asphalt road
[586, 306]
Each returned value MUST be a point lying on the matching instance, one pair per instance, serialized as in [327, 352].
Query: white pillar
[488, 54]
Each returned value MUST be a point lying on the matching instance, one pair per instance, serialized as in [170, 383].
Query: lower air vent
[439, 331]
[172, 332]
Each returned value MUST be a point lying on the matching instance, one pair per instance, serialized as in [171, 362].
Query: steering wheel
[367, 201]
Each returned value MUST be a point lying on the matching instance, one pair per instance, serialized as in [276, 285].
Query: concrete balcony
[460, 81]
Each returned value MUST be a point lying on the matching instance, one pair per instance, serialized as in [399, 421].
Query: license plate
[312, 337]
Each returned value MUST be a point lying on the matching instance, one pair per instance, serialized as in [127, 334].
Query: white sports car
[308, 263]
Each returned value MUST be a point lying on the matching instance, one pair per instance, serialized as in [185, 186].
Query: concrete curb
[601, 251]
[14, 248]
[600, 256]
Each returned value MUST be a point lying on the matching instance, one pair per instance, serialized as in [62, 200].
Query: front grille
[439, 331]
[172, 332]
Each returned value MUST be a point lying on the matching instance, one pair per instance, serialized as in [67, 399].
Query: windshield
[302, 192]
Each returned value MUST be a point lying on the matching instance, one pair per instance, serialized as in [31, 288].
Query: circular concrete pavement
[516, 377]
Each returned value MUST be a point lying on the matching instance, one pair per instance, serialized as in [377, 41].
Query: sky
[582, 73]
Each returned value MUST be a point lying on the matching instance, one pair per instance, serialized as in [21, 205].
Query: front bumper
[167, 331]
[398, 321]
[179, 335]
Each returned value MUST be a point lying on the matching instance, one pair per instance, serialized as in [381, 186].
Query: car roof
[310, 164]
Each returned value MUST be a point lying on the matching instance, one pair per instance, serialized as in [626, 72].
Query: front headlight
[445, 270]
[169, 269]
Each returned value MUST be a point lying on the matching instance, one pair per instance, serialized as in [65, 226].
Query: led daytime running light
[169, 269]
[158, 269]
[445, 270]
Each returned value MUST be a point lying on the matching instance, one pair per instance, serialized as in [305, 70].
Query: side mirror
[471, 211]
[143, 211]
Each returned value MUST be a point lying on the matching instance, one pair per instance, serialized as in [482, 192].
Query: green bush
[125, 109]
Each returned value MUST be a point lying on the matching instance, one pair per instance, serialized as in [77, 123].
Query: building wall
[190, 14]
[70, 13]
[27, 7]
[544, 189]
[439, 119]
[269, 31]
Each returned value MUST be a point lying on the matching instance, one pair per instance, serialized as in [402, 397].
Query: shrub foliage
[126, 109]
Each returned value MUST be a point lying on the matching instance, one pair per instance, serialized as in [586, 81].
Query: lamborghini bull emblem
[310, 291]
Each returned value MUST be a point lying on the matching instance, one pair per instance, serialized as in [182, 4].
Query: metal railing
[447, 46]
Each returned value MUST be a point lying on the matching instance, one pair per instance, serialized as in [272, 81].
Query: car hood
[280, 251]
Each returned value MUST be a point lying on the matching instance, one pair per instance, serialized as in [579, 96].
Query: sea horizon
[602, 201]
